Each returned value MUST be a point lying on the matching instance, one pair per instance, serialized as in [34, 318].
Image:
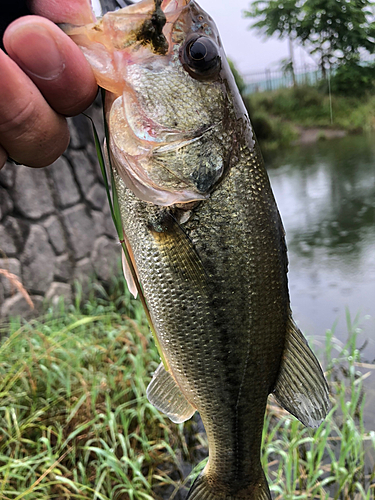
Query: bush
[309, 107]
[240, 82]
[353, 79]
[306, 96]
[272, 132]
[262, 125]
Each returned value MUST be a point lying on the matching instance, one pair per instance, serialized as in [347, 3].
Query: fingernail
[35, 50]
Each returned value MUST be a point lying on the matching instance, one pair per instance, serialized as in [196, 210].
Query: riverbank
[310, 135]
[75, 421]
[306, 114]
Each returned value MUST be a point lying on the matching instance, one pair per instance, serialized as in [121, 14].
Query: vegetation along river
[326, 196]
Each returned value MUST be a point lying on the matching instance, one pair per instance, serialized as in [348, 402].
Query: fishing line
[330, 95]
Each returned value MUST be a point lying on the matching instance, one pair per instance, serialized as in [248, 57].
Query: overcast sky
[245, 47]
[250, 51]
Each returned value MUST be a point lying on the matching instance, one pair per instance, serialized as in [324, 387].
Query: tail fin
[205, 489]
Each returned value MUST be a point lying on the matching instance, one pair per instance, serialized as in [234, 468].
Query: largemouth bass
[204, 235]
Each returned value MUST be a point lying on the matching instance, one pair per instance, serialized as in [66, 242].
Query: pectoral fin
[179, 250]
[301, 387]
[164, 393]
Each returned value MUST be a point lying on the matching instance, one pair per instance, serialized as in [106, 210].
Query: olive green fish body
[217, 289]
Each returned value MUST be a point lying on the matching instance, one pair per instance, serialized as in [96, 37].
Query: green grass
[74, 419]
[310, 107]
[330, 462]
[75, 422]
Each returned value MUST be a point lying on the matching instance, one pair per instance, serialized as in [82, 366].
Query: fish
[204, 235]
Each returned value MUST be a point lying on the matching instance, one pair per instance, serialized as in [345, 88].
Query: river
[326, 195]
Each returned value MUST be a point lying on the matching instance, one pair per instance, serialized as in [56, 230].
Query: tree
[240, 82]
[336, 30]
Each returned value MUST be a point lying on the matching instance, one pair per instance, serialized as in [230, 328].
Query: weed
[17, 285]
[309, 107]
[74, 419]
[75, 422]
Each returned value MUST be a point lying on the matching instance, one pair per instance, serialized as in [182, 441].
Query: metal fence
[275, 79]
[269, 79]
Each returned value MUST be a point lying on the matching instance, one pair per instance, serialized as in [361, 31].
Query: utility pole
[291, 55]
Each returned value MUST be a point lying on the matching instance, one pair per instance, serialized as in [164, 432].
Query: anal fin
[301, 387]
[164, 393]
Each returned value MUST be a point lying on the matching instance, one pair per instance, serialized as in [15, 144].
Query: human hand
[44, 78]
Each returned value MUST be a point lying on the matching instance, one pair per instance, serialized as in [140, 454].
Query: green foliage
[309, 107]
[263, 126]
[337, 25]
[272, 132]
[303, 105]
[336, 30]
[74, 418]
[280, 18]
[353, 79]
[328, 462]
[240, 82]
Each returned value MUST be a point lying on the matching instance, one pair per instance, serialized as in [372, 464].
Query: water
[326, 196]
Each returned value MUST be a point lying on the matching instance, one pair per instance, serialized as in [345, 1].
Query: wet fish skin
[208, 244]
[224, 335]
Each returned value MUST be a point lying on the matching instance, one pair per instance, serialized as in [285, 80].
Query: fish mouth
[148, 23]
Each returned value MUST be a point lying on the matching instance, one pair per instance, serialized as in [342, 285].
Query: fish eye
[200, 57]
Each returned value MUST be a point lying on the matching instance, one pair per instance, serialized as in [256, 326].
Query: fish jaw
[125, 32]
